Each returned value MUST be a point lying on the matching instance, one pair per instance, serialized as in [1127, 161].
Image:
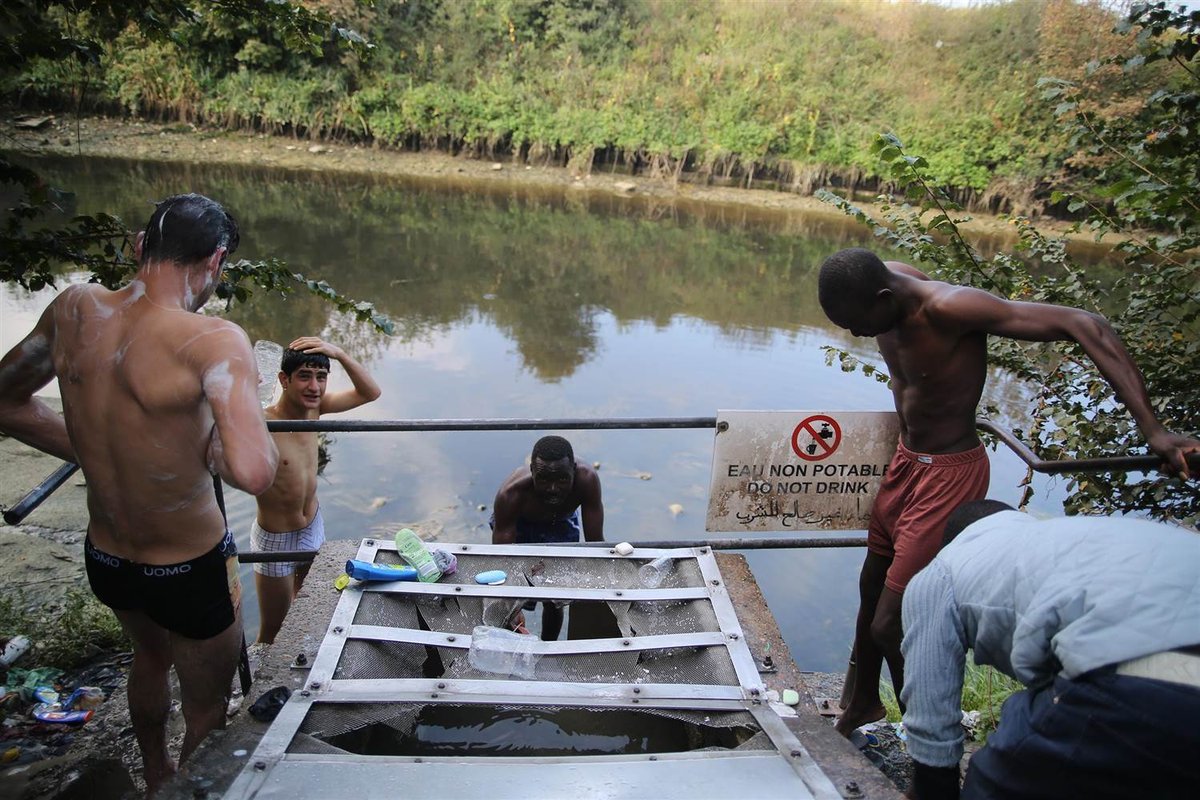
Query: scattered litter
[791, 697]
[239, 753]
[675, 509]
[370, 571]
[446, 562]
[377, 503]
[32, 123]
[341, 581]
[269, 703]
[624, 548]
[492, 577]
[13, 650]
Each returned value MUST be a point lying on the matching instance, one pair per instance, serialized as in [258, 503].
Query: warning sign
[823, 434]
[798, 470]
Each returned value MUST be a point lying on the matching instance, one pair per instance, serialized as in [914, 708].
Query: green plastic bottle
[412, 551]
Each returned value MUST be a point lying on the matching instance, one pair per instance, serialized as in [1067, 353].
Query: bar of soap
[791, 697]
[493, 577]
[624, 548]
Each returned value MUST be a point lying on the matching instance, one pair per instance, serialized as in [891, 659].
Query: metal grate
[656, 678]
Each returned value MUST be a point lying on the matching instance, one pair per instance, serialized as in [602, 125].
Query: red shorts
[917, 495]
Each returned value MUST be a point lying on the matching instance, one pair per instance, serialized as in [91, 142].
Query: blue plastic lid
[493, 577]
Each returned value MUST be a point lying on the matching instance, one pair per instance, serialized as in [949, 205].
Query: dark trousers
[1101, 735]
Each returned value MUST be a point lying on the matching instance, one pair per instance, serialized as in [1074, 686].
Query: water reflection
[516, 302]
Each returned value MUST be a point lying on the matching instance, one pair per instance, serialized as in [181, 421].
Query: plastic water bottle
[267, 355]
[502, 652]
[654, 573]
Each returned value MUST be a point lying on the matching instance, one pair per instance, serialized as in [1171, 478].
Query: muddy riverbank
[108, 137]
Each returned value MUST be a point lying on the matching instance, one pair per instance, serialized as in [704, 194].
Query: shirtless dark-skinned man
[550, 501]
[933, 337]
[156, 400]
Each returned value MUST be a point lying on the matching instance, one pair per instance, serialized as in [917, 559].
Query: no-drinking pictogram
[816, 438]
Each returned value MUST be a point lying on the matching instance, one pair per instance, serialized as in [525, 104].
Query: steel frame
[271, 765]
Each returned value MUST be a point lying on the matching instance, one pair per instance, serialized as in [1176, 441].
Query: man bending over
[933, 336]
[551, 501]
[1096, 616]
[289, 517]
[156, 398]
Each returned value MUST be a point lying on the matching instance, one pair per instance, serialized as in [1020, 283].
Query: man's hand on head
[1174, 450]
[312, 344]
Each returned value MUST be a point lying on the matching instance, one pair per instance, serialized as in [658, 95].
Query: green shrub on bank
[984, 690]
[731, 89]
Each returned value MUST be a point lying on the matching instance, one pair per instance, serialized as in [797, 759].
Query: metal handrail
[23, 507]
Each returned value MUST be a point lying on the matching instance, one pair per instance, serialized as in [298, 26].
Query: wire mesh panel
[649, 663]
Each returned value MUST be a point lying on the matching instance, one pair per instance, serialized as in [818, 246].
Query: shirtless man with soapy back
[156, 400]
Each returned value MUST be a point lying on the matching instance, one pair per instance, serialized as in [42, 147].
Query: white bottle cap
[624, 548]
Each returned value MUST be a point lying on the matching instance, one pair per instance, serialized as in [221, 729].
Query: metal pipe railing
[23, 507]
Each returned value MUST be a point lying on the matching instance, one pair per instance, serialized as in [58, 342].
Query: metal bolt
[722, 427]
[619, 594]
[634, 700]
[637, 690]
[458, 588]
[716, 582]
[369, 542]
[703, 551]
[733, 636]
[434, 695]
[338, 629]
[754, 691]
[305, 693]
[301, 659]
[797, 753]
[654, 758]
[441, 686]
[260, 765]
[612, 551]
[417, 761]
[851, 789]
[625, 642]
[315, 685]
[449, 638]
[465, 549]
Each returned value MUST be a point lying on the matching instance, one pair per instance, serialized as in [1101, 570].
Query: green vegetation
[63, 48]
[1139, 175]
[727, 90]
[984, 690]
[64, 635]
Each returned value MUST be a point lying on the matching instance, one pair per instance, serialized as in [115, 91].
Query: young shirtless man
[156, 398]
[289, 517]
[933, 336]
[549, 502]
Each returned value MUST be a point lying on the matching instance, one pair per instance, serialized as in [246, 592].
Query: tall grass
[730, 89]
[984, 690]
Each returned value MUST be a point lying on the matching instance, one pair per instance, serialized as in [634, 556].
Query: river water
[521, 302]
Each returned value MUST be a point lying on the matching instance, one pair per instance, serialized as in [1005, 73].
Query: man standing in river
[933, 336]
[553, 500]
[156, 400]
[289, 517]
